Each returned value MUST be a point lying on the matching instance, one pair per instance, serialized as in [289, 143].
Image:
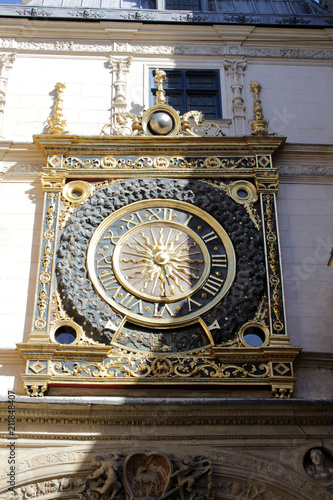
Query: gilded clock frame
[164, 203]
[222, 161]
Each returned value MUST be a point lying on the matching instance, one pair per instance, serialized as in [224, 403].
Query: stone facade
[205, 442]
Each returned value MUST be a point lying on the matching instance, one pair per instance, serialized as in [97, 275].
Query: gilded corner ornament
[244, 193]
[56, 123]
[267, 182]
[53, 181]
[74, 194]
[259, 125]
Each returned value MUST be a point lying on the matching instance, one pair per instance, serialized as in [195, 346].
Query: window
[188, 90]
[137, 4]
[182, 5]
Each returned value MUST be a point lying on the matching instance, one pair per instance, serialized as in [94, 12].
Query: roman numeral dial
[161, 262]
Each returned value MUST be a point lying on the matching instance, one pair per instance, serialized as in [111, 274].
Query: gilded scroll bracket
[53, 181]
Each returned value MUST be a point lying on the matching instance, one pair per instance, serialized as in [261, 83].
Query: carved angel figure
[106, 470]
[190, 469]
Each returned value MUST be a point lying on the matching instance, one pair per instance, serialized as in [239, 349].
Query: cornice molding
[303, 161]
[10, 357]
[115, 145]
[315, 360]
[20, 162]
[135, 39]
[25, 152]
[121, 412]
[309, 151]
[305, 179]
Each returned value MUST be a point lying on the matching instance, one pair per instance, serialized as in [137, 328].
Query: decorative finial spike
[57, 125]
[259, 124]
[160, 77]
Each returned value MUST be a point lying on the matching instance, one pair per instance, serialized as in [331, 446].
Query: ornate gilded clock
[146, 262]
[148, 275]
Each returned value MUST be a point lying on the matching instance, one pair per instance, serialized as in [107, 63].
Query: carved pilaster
[52, 184]
[6, 63]
[120, 67]
[235, 70]
[267, 184]
[274, 272]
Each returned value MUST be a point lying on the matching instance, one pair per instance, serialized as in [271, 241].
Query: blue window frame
[188, 90]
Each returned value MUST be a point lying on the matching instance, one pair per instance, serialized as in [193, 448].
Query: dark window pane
[148, 4]
[175, 101]
[201, 100]
[264, 6]
[201, 81]
[209, 114]
[173, 80]
[301, 8]
[182, 4]
[139, 4]
[245, 7]
[281, 7]
[226, 6]
[207, 106]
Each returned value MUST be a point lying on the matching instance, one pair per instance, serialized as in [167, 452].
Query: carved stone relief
[20, 168]
[265, 480]
[138, 476]
[151, 475]
[310, 170]
[318, 464]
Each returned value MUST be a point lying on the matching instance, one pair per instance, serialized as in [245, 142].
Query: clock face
[161, 262]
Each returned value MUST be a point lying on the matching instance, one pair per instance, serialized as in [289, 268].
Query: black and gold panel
[144, 256]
